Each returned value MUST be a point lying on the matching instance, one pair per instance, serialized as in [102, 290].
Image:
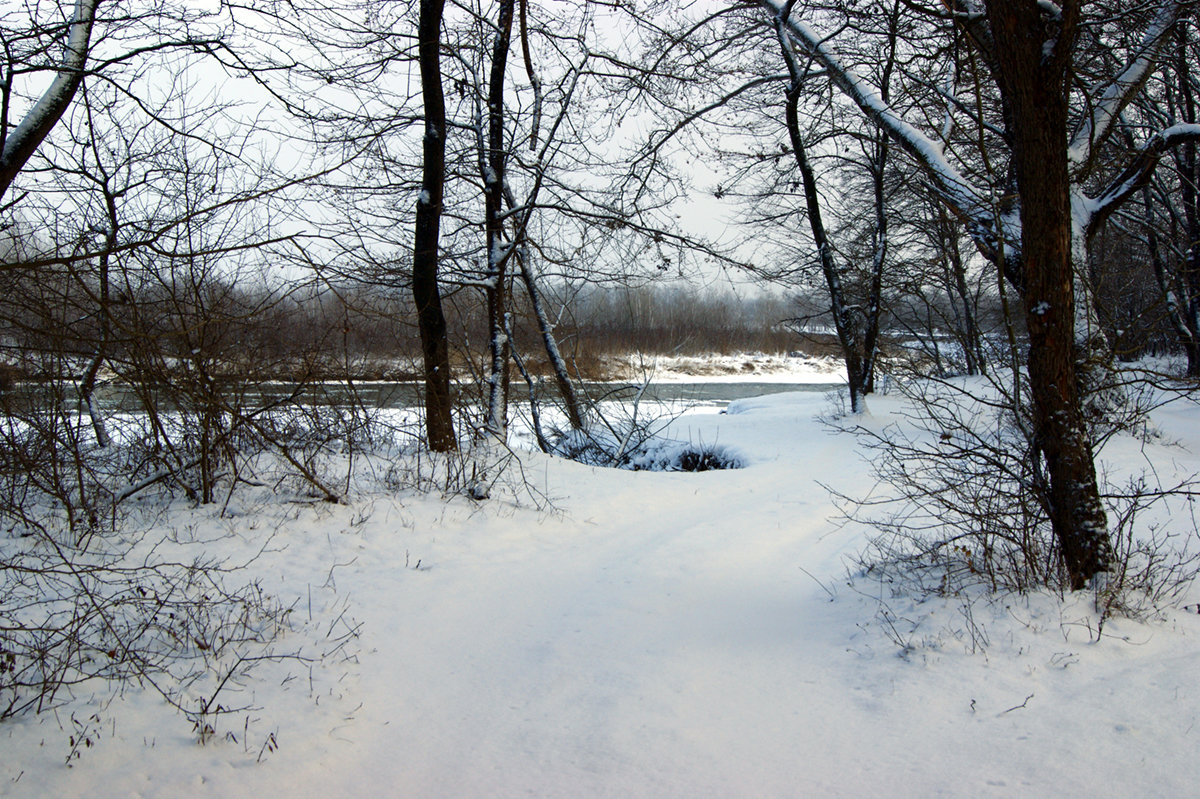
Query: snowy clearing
[646, 634]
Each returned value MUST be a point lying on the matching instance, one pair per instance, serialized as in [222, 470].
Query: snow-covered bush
[639, 452]
[84, 596]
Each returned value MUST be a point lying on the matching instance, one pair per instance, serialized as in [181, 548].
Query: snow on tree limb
[1053, 9]
[24, 139]
[1108, 102]
[1134, 176]
[954, 188]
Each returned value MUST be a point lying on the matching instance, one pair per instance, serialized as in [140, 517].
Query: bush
[70, 615]
[962, 503]
[637, 451]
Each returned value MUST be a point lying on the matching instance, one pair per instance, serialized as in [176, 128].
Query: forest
[200, 201]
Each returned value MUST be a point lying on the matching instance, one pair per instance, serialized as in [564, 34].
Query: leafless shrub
[1155, 563]
[88, 441]
[962, 504]
[70, 615]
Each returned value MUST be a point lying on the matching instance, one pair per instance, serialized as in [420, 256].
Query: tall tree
[1033, 219]
[1169, 216]
[857, 326]
[431, 320]
[493, 162]
[1034, 56]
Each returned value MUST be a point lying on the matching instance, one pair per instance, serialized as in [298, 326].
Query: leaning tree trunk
[857, 329]
[558, 364]
[848, 333]
[431, 321]
[1033, 58]
[18, 144]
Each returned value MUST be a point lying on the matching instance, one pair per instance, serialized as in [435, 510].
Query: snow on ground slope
[651, 635]
[755, 367]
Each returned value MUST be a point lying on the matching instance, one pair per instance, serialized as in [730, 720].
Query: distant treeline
[329, 331]
[239, 327]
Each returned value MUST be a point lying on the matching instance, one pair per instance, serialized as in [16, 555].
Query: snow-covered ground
[630, 634]
[754, 367]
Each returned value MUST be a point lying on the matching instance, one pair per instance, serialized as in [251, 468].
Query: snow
[951, 182]
[1105, 106]
[647, 634]
[753, 367]
[1180, 131]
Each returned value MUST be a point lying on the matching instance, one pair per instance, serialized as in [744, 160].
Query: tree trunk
[87, 386]
[966, 328]
[1185, 164]
[498, 253]
[19, 144]
[848, 333]
[857, 329]
[562, 377]
[1033, 57]
[849, 337]
[1172, 288]
[879, 252]
[431, 321]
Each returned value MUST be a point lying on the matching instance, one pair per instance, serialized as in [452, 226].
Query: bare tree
[1033, 221]
[431, 320]
[857, 326]
[1167, 221]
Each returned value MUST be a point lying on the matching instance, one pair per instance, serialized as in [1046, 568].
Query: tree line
[364, 332]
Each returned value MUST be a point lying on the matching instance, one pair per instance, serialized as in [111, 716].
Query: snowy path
[660, 635]
[611, 651]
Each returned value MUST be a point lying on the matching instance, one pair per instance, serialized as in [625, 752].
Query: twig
[1020, 706]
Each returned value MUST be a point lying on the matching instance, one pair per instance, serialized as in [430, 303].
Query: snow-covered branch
[1134, 176]
[954, 188]
[1053, 10]
[1106, 103]
[24, 139]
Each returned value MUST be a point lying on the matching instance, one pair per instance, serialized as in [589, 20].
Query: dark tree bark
[1189, 179]
[431, 321]
[943, 231]
[1033, 57]
[498, 250]
[850, 338]
[1180, 309]
[1029, 47]
[857, 328]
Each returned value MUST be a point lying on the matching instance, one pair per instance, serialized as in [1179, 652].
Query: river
[397, 395]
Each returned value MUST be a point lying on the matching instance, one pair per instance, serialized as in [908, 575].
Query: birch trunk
[19, 144]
